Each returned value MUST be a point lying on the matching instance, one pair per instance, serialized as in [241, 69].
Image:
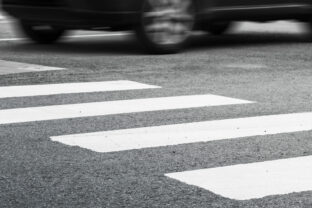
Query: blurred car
[163, 26]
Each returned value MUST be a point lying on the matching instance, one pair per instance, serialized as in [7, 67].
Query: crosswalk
[239, 182]
[11, 67]
[70, 88]
[255, 180]
[128, 139]
[2, 17]
[44, 113]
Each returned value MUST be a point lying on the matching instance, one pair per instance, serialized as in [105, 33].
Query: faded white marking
[112, 107]
[147, 137]
[66, 88]
[245, 66]
[254, 180]
[2, 17]
[5, 21]
[9, 67]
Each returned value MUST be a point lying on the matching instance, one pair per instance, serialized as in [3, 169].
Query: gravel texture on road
[273, 69]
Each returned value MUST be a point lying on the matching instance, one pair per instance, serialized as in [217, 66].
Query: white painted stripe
[254, 180]
[5, 21]
[112, 107]
[138, 138]
[73, 36]
[66, 88]
[9, 67]
[2, 17]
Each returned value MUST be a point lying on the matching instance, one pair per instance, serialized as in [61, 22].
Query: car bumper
[76, 18]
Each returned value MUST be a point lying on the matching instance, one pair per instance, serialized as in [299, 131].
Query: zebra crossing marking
[31, 114]
[253, 180]
[148, 137]
[9, 67]
[2, 17]
[66, 88]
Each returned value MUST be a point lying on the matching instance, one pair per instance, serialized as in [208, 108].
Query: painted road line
[147, 137]
[31, 114]
[254, 180]
[2, 17]
[73, 36]
[67, 88]
[5, 21]
[9, 67]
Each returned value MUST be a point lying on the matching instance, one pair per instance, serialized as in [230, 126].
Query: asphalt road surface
[94, 122]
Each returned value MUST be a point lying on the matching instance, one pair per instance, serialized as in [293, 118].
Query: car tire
[309, 31]
[165, 25]
[217, 28]
[40, 33]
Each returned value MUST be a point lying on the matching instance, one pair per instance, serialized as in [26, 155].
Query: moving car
[163, 26]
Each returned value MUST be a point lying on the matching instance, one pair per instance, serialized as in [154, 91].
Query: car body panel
[92, 13]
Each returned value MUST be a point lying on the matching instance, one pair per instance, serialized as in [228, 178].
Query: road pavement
[92, 121]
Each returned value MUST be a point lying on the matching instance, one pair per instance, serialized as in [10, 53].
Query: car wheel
[217, 28]
[165, 25]
[40, 33]
[309, 26]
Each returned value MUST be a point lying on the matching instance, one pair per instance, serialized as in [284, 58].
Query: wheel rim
[168, 22]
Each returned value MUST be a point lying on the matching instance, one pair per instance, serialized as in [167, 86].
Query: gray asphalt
[271, 68]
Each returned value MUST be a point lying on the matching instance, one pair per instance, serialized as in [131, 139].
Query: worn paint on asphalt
[9, 67]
